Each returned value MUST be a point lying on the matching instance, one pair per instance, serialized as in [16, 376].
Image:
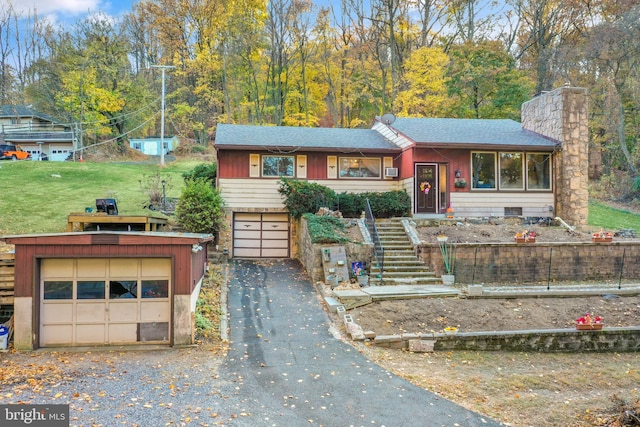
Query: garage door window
[155, 288]
[60, 290]
[123, 289]
[90, 289]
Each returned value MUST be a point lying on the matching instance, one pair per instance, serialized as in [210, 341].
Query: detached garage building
[106, 288]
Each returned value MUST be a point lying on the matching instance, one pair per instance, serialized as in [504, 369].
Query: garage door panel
[123, 311]
[55, 268]
[123, 267]
[90, 312]
[245, 243]
[248, 216]
[56, 334]
[248, 234]
[275, 226]
[155, 311]
[151, 267]
[91, 334]
[275, 244]
[247, 252]
[57, 313]
[276, 235]
[123, 332]
[92, 268]
[243, 225]
[275, 253]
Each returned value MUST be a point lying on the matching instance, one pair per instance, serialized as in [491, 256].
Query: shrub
[200, 208]
[383, 205]
[208, 171]
[325, 229]
[302, 197]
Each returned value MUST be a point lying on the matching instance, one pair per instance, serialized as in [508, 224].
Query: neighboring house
[106, 288]
[37, 133]
[151, 146]
[480, 168]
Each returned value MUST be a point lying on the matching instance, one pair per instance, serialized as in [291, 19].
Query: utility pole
[162, 68]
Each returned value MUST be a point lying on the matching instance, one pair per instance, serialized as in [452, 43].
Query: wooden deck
[81, 221]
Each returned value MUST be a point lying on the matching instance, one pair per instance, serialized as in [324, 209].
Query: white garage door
[105, 301]
[261, 235]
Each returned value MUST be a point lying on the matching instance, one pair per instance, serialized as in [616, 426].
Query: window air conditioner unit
[391, 172]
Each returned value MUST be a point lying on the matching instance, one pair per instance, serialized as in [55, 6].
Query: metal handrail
[378, 250]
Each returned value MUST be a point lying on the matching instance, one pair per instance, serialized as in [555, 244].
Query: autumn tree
[426, 95]
[484, 83]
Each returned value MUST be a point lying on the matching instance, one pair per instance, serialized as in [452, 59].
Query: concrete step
[405, 281]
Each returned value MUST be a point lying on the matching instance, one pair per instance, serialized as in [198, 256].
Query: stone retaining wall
[538, 262]
[310, 254]
[541, 340]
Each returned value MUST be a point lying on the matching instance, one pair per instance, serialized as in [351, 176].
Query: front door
[426, 190]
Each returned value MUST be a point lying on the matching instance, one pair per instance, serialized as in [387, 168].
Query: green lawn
[36, 197]
[608, 218]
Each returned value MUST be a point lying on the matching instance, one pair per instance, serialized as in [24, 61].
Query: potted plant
[526, 237]
[460, 183]
[447, 251]
[589, 323]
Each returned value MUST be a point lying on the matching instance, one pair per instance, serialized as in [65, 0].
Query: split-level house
[475, 167]
[37, 133]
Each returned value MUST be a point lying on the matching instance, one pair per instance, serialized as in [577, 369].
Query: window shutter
[302, 166]
[332, 167]
[387, 162]
[254, 165]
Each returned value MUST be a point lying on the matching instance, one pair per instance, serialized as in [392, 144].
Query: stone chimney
[562, 115]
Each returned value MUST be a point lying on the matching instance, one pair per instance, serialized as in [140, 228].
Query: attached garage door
[261, 235]
[92, 301]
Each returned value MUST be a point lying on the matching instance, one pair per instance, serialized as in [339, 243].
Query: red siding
[317, 166]
[233, 164]
[188, 267]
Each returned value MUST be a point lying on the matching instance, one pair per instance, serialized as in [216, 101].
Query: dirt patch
[472, 315]
[501, 231]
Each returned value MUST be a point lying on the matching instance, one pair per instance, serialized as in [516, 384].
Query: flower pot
[589, 327]
[525, 240]
[601, 239]
[448, 279]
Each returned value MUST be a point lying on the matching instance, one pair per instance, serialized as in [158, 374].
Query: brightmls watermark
[34, 415]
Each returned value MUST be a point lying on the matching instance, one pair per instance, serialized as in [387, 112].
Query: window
[155, 288]
[123, 289]
[511, 171]
[483, 169]
[277, 166]
[538, 171]
[58, 289]
[359, 167]
[514, 173]
[90, 289]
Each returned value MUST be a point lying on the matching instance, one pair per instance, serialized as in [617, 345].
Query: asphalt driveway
[289, 370]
